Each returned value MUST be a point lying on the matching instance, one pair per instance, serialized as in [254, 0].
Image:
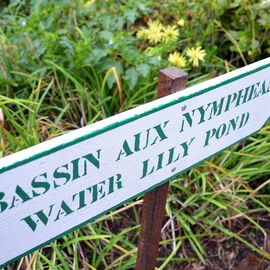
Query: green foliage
[67, 63]
[247, 24]
[71, 34]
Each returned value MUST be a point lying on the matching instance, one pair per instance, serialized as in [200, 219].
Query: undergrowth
[66, 64]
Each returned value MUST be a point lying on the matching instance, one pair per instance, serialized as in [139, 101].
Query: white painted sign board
[52, 188]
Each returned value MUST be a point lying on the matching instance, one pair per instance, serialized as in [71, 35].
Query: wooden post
[170, 81]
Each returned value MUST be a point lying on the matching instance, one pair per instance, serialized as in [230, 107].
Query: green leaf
[98, 54]
[110, 80]
[14, 2]
[144, 70]
[131, 77]
[131, 15]
[107, 35]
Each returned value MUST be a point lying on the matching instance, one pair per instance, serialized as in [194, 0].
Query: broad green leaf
[131, 77]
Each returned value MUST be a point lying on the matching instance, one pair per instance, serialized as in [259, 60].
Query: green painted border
[114, 125]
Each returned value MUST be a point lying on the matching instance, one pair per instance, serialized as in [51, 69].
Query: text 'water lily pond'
[52, 188]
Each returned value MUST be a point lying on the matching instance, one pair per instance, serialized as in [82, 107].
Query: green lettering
[97, 191]
[244, 119]
[137, 141]
[221, 128]
[161, 134]
[75, 166]
[92, 159]
[65, 210]
[81, 196]
[160, 161]
[44, 218]
[247, 90]
[61, 175]
[202, 114]
[188, 119]
[171, 156]
[115, 183]
[230, 99]
[36, 183]
[253, 94]
[185, 146]
[239, 97]
[3, 205]
[233, 124]
[145, 169]
[209, 135]
[22, 196]
[125, 150]
[216, 108]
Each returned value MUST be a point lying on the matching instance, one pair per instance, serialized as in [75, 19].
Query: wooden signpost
[171, 80]
[57, 186]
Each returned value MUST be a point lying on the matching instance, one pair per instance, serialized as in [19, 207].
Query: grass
[214, 199]
[214, 212]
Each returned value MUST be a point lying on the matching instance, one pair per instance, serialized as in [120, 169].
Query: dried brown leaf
[250, 262]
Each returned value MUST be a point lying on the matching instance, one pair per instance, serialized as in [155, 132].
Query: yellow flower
[155, 31]
[181, 22]
[89, 3]
[113, 9]
[196, 54]
[170, 34]
[142, 33]
[177, 59]
[122, 7]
